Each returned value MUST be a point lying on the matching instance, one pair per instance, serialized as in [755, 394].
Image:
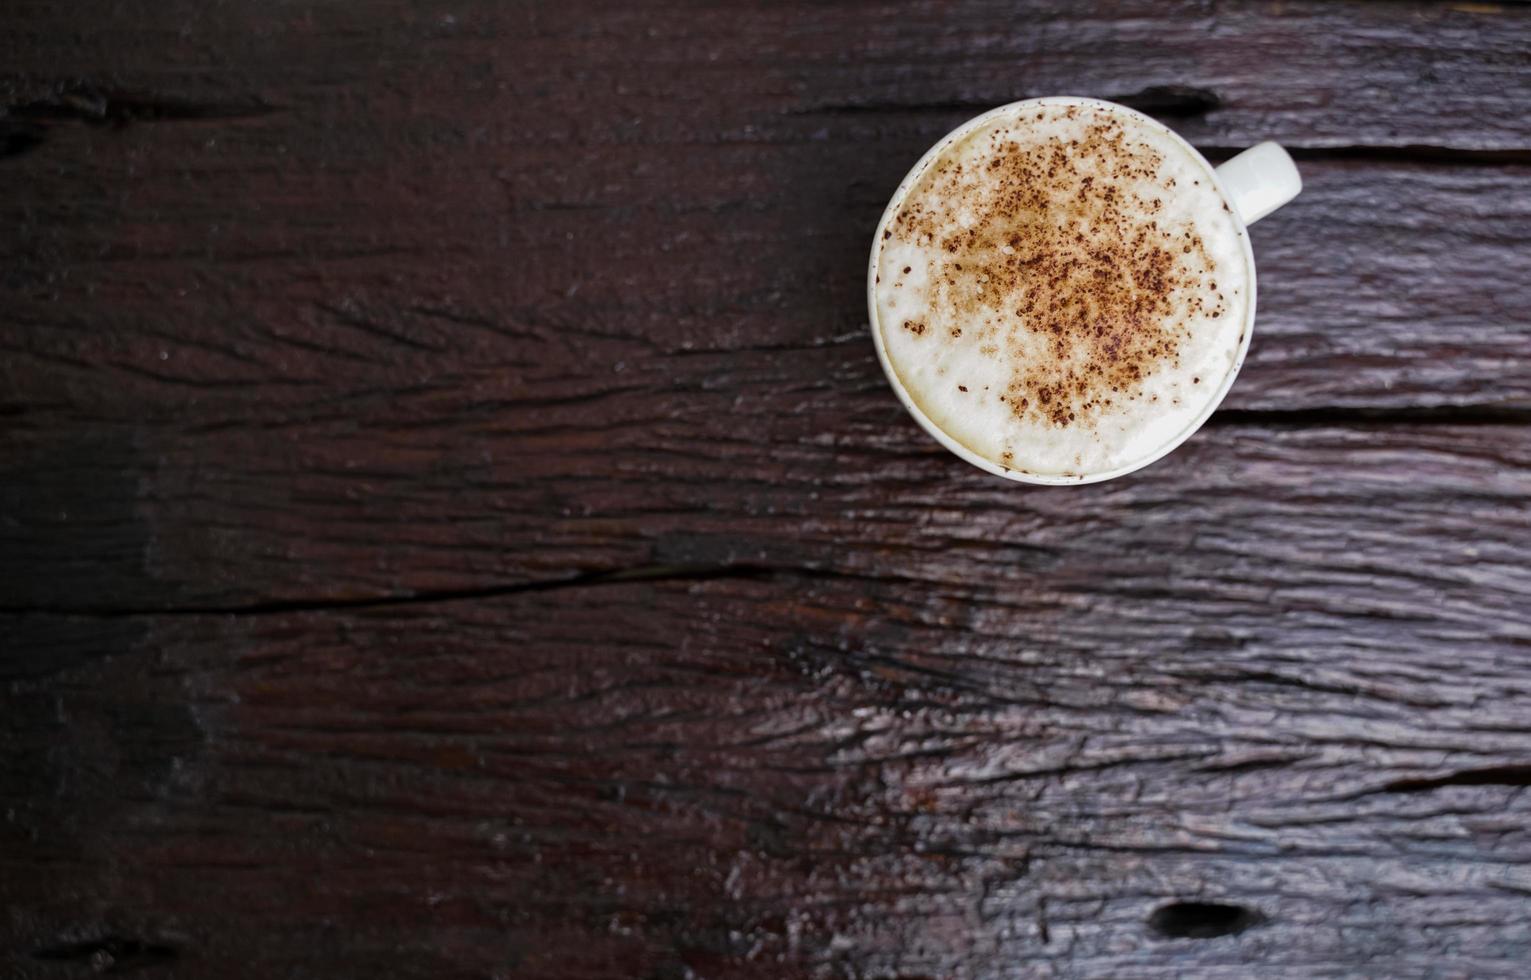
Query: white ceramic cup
[1254, 183]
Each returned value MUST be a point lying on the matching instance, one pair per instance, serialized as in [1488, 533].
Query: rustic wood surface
[452, 522]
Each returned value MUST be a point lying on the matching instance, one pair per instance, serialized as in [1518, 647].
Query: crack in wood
[645, 573]
[86, 103]
[25, 124]
[1157, 100]
[1386, 154]
[1512, 775]
[871, 107]
[1178, 101]
[110, 954]
[1337, 416]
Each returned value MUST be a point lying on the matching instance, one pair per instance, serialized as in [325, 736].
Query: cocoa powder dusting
[1064, 266]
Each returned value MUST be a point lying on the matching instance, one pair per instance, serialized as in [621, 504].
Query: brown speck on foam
[962, 387]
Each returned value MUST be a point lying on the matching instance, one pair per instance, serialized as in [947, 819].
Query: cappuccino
[1062, 289]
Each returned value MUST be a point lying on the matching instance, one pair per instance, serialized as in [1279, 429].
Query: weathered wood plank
[798, 456]
[303, 428]
[325, 313]
[1437, 512]
[1365, 302]
[1382, 286]
[346, 166]
[1312, 712]
[1317, 73]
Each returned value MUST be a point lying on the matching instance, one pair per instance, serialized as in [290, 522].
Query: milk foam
[1063, 291]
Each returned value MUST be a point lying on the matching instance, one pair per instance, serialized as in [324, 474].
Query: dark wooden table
[453, 524]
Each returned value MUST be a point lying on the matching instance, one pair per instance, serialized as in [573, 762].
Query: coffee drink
[1062, 289]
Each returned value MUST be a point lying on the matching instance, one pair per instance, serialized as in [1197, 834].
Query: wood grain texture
[926, 745]
[341, 397]
[478, 495]
[452, 523]
[423, 281]
[1312, 74]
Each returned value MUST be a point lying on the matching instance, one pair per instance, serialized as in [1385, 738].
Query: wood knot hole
[1202, 920]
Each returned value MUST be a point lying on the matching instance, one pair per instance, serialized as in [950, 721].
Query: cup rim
[940, 434]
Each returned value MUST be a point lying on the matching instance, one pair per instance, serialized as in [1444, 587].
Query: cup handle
[1260, 180]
